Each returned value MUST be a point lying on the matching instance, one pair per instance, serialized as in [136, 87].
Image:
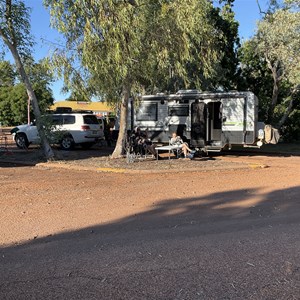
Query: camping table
[168, 148]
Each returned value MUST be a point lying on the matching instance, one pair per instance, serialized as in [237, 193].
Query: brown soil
[37, 197]
[148, 229]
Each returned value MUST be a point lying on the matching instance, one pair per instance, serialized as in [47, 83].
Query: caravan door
[233, 120]
[198, 124]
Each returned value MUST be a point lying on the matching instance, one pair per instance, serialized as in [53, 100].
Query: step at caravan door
[233, 120]
[198, 124]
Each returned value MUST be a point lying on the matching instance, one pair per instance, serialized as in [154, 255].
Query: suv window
[90, 119]
[62, 119]
[69, 119]
[56, 120]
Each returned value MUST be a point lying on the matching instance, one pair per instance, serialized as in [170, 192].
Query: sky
[246, 11]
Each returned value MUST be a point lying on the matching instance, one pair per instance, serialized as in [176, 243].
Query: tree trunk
[290, 107]
[287, 113]
[48, 152]
[119, 149]
[276, 79]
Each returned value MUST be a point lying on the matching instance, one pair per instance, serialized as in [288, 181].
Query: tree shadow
[34, 155]
[139, 256]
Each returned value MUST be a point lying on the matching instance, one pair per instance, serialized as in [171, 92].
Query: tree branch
[260, 11]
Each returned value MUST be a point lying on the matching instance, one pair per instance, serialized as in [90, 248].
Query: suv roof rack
[63, 110]
[68, 110]
[83, 112]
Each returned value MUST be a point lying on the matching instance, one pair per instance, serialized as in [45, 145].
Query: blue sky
[247, 14]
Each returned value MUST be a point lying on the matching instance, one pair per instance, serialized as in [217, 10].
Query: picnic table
[170, 149]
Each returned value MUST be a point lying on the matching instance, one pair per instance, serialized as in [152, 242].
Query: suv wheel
[21, 141]
[67, 143]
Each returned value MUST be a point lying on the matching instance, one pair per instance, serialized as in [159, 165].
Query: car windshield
[90, 119]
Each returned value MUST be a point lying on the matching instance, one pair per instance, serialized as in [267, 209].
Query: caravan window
[180, 111]
[148, 112]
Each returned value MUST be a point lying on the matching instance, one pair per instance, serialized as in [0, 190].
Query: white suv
[66, 129]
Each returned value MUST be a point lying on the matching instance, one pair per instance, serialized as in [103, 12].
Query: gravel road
[226, 228]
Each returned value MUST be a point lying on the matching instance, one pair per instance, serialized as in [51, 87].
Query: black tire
[86, 146]
[21, 141]
[67, 143]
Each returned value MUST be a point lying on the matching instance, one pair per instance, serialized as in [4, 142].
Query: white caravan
[209, 121]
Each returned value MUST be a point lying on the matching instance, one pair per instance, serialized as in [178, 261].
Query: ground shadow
[34, 155]
[136, 257]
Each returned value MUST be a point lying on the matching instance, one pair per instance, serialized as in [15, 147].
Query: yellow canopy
[96, 107]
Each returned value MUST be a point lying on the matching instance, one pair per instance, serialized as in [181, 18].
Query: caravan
[209, 121]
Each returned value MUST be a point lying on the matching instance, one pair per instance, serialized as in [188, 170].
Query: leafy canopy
[13, 95]
[278, 39]
[137, 43]
[17, 30]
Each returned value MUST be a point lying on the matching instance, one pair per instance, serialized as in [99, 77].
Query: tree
[255, 75]
[125, 47]
[7, 74]
[15, 33]
[226, 27]
[269, 65]
[278, 42]
[13, 95]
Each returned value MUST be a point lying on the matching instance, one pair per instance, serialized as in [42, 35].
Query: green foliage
[13, 105]
[279, 40]
[291, 129]
[150, 45]
[180, 45]
[270, 66]
[7, 74]
[255, 76]
[18, 29]
[14, 98]
[15, 33]
[53, 132]
[228, 44]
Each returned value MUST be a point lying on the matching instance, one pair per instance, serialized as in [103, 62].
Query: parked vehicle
[209, 121]
[66, 129]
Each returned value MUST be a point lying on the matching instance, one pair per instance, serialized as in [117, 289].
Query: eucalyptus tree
[278, 43]
[226, 31]
[15, 33]
[124, 47]
[255, 75]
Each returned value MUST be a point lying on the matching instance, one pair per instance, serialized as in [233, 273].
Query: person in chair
[142, 141]
[176, 140]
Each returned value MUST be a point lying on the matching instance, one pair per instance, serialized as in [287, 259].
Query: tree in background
[7, 74]
[226, 28]
[13, 95]
[15, 33]
[255, 76]
[127, 47]
[276, 64]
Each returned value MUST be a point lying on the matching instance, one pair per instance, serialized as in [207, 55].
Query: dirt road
[223, 233]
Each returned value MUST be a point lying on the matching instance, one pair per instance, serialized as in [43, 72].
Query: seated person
[176, 140]
[142, 141]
